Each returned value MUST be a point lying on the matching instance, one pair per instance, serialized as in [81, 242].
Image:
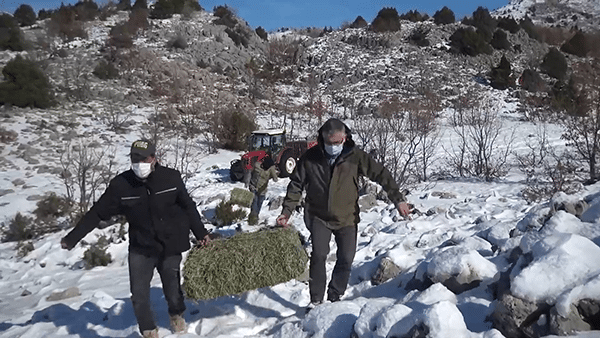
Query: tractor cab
[271, 141]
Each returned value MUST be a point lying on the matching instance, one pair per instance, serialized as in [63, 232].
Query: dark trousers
[141, 270]
[345, 238]
[257, 203]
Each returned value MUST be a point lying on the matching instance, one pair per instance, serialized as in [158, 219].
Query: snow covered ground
[466, 234]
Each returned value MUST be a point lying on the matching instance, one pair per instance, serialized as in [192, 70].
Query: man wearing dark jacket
[329, 174]
[161, 214]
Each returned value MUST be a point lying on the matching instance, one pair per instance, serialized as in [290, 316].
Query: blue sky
[273, 14]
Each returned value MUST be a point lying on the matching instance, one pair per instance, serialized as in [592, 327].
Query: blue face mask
[334, 150]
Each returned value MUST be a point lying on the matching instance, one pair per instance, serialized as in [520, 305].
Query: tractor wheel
[287, 164]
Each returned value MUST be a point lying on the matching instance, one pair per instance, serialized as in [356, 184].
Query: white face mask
[334, 150]
[142, 169]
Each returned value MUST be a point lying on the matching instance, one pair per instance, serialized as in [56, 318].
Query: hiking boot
[150, 333]
[178, 324]
[333, 297]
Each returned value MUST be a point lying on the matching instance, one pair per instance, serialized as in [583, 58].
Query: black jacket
[159, 210]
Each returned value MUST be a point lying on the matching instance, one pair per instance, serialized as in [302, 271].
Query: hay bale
[244, 262]
[241, 197]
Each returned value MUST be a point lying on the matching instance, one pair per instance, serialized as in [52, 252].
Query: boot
[150, 333]
[178, 324]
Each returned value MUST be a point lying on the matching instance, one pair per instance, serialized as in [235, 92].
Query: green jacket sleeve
[376, 172]
[294, 189]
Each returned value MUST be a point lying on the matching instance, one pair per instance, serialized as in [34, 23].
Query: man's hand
[206, 240]
[403, 208]
[64, 245]
[283, 220]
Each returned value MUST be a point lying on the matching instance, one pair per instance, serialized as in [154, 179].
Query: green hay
[241, 197]
[244, 262]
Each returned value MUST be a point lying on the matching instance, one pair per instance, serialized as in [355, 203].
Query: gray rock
[570, 325]
[276, 203]
[444, 194]
[60, 295]
[17, 182]
[514, 316]
[367, 202]
[6, 192]
[387, 270]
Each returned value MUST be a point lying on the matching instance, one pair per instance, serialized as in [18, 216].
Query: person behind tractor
[262, 172]
[329, 174]
[161, 214]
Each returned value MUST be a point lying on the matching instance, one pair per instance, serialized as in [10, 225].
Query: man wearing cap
[161, 214]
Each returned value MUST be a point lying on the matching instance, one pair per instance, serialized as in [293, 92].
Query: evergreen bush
[25, 85]
[419, 37]
[183, 6]
[414, 16]
[241, 197]
[466, 40]
[564, 97]
[500, 41]
[555, 64]
[225, 214]
[139, 4]
[105, 70]
[238, 36]
[529, 28]
[246, 261]
[483, 19]
[25, 15]
[124, 5]
[177, 42]
[509, 24]
[87, 10]
[231, 128]
[532, 81]
[44, 14]
[444, 16]
[96, 254]
[64, 23]
[162, 9]
[500, 77]
[359, 22]
[225, 16]
[577, 45]
[11, 37]
[20, 228]
[262, 33]
[52, 206]
[387, 20]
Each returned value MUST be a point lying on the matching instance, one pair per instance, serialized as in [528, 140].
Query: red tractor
[269, 142]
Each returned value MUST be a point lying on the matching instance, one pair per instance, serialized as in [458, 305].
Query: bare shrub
[582, 123]
[114, 115]
[403, 138]
[479, 150]
[547, 170]
[76, 78]
[284, 51]
[87, 168]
